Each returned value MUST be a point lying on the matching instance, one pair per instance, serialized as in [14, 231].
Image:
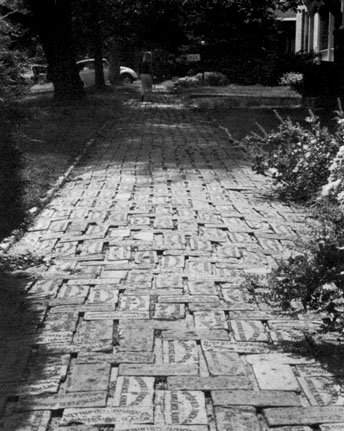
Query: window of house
[324, 30]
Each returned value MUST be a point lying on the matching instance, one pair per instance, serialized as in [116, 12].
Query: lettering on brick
[233, 418]
[106, 416]
[134, 392]
[180, 352]
[187, 407]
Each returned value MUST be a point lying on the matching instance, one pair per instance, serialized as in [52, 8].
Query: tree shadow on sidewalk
[327, 350]
[21, 371]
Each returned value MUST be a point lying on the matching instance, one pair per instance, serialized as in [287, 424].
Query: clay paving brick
[210, 320]
[187, 407]
[103, 294]
[183, 299]
[280, 357]
[93, 331]
[202, 287]
[233, 418]
[274, 376]
[67, 400]
[134, 303]
[180, 352]
[89, 377]
[304, 415]
[249, 330]
[331, 427]
[136, 339]
[230, 346]
[134, 392]
[72, 291]
[169, 311]
[322, 391]
[159, 428]
[169, 281]
[27, 421]
[292, 428]
[109, 415]
[199, 268]
[215, 334]
[158, 369]
[255, 398]
[208, 383]
[224, 363]
[115, 358]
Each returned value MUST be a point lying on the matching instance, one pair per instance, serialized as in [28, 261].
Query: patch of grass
[241, 122]
[50, 136]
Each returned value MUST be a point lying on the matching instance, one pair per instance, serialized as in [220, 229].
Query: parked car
[35, 73]
[87, 74]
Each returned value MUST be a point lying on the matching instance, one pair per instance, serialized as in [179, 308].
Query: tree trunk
[114, 70]
[97, 45]
[53, 24]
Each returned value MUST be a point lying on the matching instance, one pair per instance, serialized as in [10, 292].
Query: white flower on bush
[273, 171]
[329, 188]
[340, 198]
[291, 78]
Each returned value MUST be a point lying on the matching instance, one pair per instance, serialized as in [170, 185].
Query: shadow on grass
[40, 138]
[21, 370]
[12, 212]
[242, 122]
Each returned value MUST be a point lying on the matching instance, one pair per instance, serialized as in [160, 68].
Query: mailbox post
[194, 58]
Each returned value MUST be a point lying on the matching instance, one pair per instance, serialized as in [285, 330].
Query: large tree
[52, 21]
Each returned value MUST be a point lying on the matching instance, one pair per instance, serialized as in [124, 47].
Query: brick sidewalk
[145, 321]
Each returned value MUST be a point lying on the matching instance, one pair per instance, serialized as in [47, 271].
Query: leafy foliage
[334, 189]
[11, 83]
[314, 274]
[294, 80]
[315, 277]
[298, 159]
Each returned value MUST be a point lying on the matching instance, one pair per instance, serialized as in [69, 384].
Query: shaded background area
[41, 139]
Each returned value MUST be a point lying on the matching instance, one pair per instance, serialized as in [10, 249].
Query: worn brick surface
[144, 320]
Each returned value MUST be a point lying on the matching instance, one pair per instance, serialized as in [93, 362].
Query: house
[318, 28]
[287, 30]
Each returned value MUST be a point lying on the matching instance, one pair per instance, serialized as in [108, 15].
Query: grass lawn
[50, 136]
[240, 122]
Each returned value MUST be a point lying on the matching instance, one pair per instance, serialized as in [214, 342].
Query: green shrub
[314, 276]
[215, 79]
[11, 83]
[207, 78]
[302, 161]
[334, 189]
[298, 159]
[294, 80]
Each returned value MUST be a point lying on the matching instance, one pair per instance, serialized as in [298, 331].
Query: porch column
[316, 32]
[300, 30]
